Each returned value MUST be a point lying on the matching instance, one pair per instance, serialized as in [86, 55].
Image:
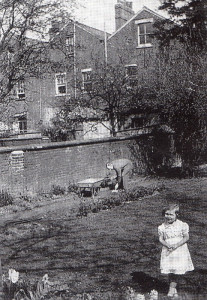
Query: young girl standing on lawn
[175, 256]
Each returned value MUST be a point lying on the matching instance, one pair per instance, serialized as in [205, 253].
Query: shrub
[5, 198]
[83, 209]
[25, 198]
[115, 200]
[73, 188]
[58, 190]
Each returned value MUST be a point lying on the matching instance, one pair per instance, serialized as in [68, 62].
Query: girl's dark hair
[173, 206]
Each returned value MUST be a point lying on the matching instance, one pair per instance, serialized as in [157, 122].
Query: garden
[62, 246]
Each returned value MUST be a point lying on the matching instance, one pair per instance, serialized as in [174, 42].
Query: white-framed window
[131, 70]
[21, 89]
[144, 31]
[86, 80]
[10, 55]
[22, 124]
[69, 43]
[131, 74]
[60, 84]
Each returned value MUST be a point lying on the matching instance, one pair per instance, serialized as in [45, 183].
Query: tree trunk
[113, 124]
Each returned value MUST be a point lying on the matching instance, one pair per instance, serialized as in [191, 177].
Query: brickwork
[123, 12]
[124, 44]
[37, 167]
[17, 161]
[41, 102]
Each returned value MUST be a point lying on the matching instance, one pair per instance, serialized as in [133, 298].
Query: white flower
[132, 295]
[153, 295]
[88, 296]
[45, 278]
[13, 275]
[139, 297]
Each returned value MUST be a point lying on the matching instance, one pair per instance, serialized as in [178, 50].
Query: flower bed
[114, 200]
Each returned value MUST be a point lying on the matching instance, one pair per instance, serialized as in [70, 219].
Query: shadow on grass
[147, 283]
[192, 282]
[195, 281]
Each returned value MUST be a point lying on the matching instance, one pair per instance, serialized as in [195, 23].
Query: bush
[25, 198]
[5, 198]
[83, 209]
[73, 188]
[58, 190]
[115, 200]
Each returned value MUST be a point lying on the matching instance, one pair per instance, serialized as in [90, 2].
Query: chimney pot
[123, 12]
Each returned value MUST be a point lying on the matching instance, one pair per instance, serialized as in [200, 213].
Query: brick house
[132, 45]
[75, 52]
[35, 100]
[132, 41]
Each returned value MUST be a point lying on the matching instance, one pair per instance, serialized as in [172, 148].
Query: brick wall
[35, 168]
[124, 44]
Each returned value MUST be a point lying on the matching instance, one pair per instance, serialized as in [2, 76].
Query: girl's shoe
[175, 296]
[171, 292]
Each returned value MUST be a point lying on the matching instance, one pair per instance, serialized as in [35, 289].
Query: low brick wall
[35, 168]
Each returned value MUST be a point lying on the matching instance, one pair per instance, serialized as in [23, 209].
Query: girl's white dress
[179, 260]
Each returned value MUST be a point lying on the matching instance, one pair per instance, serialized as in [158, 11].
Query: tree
[23, 43]
[180, 89]
[107, 95]
[180, 84]
[187, 23]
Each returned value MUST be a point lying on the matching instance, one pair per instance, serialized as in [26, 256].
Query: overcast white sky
[94, 12]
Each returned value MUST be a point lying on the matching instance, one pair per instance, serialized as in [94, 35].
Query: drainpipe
[105, 45]
[74, 65]
[40, 90]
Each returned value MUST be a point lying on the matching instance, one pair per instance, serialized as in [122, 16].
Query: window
[10, 55]
[145, 30]
[137, 122]
[21, 89]
[144, 34]
[69, 42]
[19, 124]
[131, 73]
[131, 70]
[22, 124]
[86, 78]
[60, 83]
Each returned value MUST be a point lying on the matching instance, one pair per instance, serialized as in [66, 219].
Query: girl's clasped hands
[172, 247]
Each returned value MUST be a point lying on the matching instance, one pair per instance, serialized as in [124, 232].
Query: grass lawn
[106, 252]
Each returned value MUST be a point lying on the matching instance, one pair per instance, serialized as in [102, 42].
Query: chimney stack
[123, 12]
[56, 25]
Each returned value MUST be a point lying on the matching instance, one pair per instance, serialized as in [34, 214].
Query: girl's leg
[174, 279]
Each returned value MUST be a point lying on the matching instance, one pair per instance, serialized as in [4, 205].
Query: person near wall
[123, 168]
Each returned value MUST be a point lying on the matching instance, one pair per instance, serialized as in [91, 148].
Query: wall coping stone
[39, 147]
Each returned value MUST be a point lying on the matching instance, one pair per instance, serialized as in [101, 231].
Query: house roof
[93, 31]
[134, 17]
[166, 129]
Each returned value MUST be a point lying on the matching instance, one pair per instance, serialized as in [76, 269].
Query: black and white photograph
[103, 149]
